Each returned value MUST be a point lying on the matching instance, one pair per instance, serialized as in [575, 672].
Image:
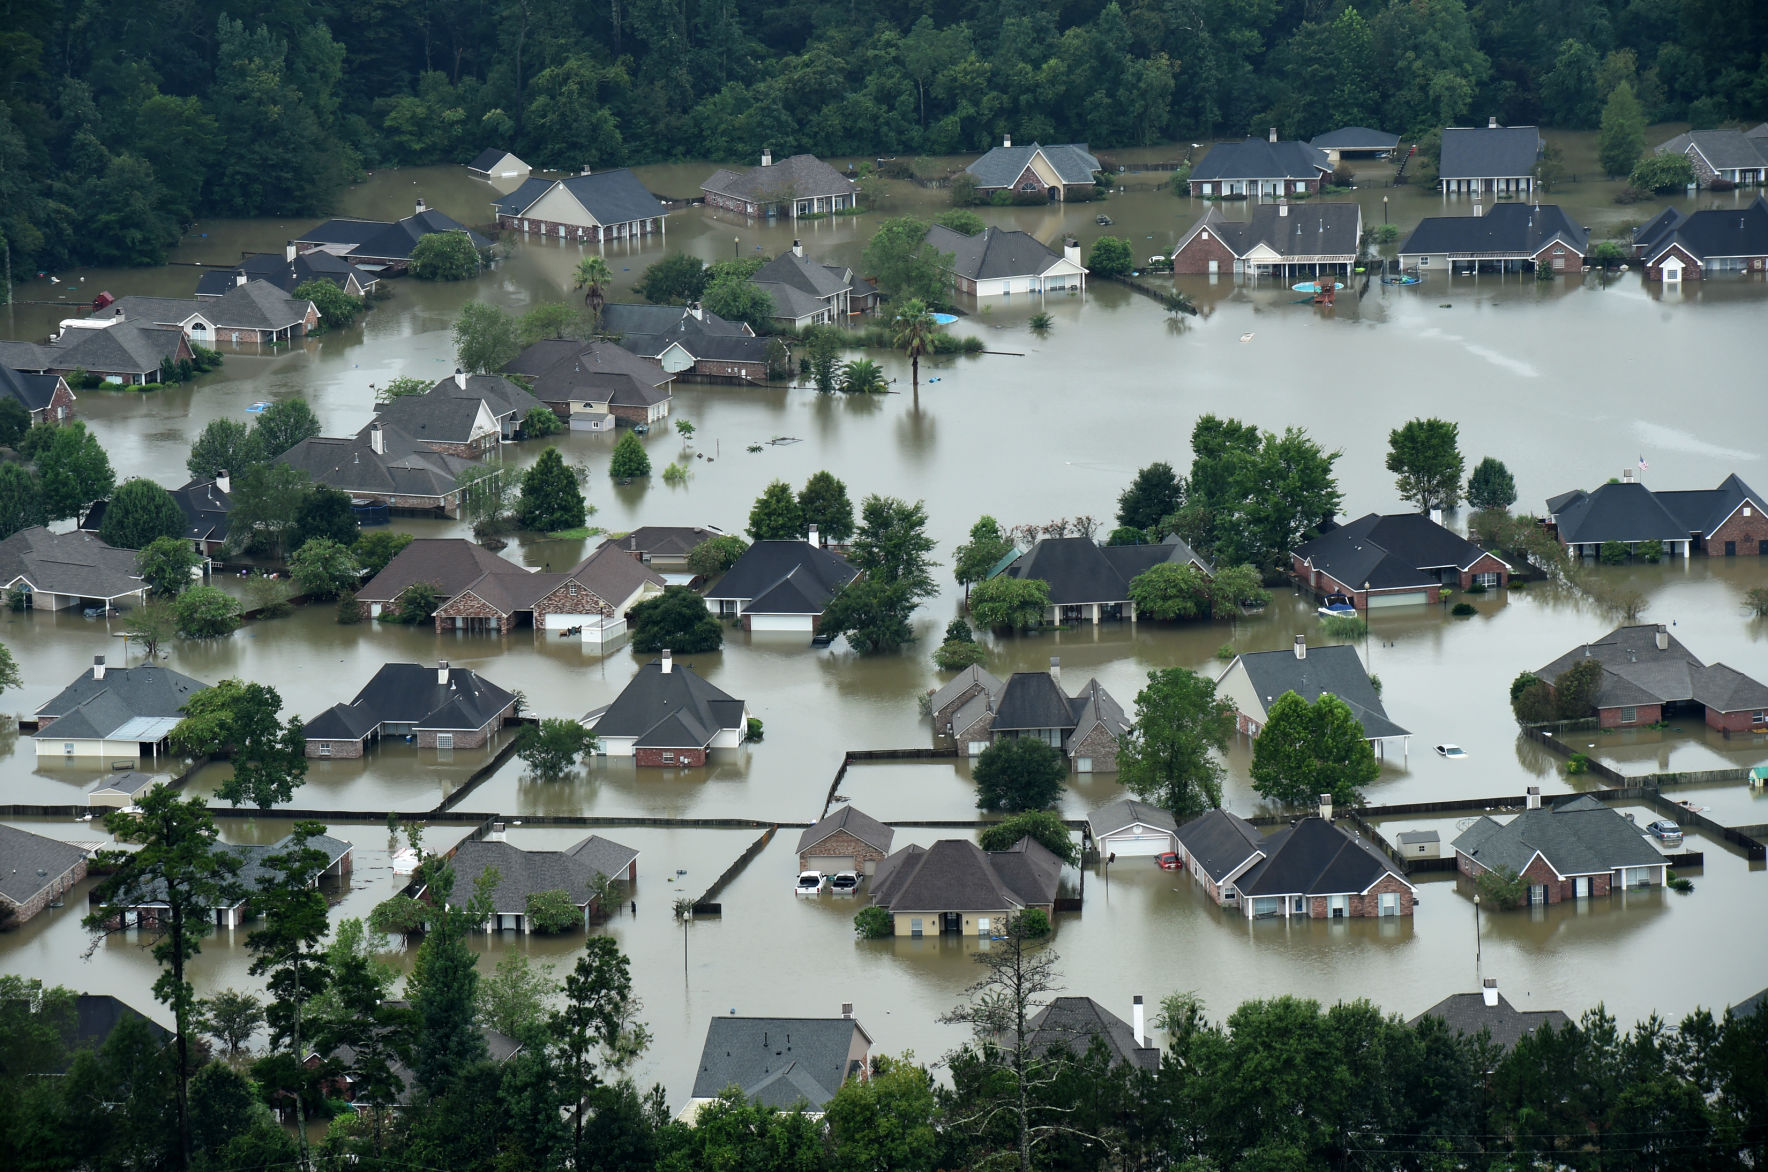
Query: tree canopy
[1305, 750]
[550, 500]
[138, 512]
[1426, 456]
[1019, 773]
[676, 619]
[1171, 755]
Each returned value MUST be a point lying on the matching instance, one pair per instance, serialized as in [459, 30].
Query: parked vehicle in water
[809, 883]
[844, 882]
[1664, 830]
[1453, 752]
[1169, 861]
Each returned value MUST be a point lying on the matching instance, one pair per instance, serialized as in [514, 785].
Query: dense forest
[123, 121]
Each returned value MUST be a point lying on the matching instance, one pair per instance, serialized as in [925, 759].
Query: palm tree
[862, 376]
[914, 336]
[593, 276]
[1040, 323]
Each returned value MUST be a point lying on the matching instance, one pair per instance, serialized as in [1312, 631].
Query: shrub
[1757, 601]
[1678, 883]
[958, 654]
[1577, 763]
[1046, 826]
[1225, 652]
[541, 422]
[1346, 628]
[1503, 887]
[444, 256]
[204, 612]
[349, 610]
[1032, 923]
[754, 730]
[1652, 551]
[675, 473]
[1477, 588]
[400, 915]
[552, 747]
[874, 923]
[1463, 609]
[552, 912]
[629, 458]
[1613, 553]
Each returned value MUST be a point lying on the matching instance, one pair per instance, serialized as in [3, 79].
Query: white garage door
[1410, 598]
[1136, 844]
[829, 864]
[779, 622]
[975, 748]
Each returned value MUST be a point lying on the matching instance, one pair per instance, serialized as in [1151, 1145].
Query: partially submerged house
[845, 840]
[287, 270]
[591, 598]
[46, 397]
[56, 571]
[1350, 142]
[1132, 828]
[997, 262]
[117, 350]
[443, 707]
[1048, 172]
[206, 504]
[1075, 1023]
[780, 585]
[441, 423]
[1255, 680]
[507, 402]
[1511, 237]
[801, 185]
[1399, 559]
[1648, 676]
[250, 874]
[668, 716]
[1280, 238]
[1575, 848]
[954, 887]
[1090, 582]
[36, 872]
[1675, 245]
[665, 548]
[1086, 727]
[449, 564]
[1738, 157]
[967, 685]
[591, 385]
[593, 206]
[251, 312]
[116, 712]
[1312, 868]
[689, 341]
[383, 247]
[1262, 168]
[386, 464]
[1487, 1012]
[119, 791]
[1491, 160]
[1726, 520]
[807, 293]
[579, 871]
[781, 1063]
[495, 163]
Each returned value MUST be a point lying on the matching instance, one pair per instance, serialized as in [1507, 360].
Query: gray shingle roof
[525, 196]
[205, 508]
[409, 693]
[1316, 857]
[563, 370]
[503, 397]
[1635, 671]
[491, 157]
[1388, 552]
[1356, 138]
[614, 197]
[1002, 166]
[1712, 233]
[671, 541]
[971, 677]
[380, 240]
[993, 253]
[1724, 150]
[799, 176]
[1258, 158]
[404, 467]
[522, 873]
[1124, 812]
[1071, 1023]
[450, 563]
[1079, 571]
[1032, 700]
[1468, 1013]
[784, 577]
[1618, 511]
[675, 709]
[33, 391]
[1337, 669]
[778, 1061]
[1480, 152]
[77, 564]
[1509, 229]
[956, 875]
[277, 270]
[23, 855]
[649, 330]
[1577, 836]
[846, 818]
[127, 348]
[432, 417]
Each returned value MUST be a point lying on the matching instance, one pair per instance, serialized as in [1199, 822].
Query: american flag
[1643, 466]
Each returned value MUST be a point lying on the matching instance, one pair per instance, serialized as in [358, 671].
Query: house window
[67, 747]
[669, 758]
[1489, 581]
[1629, 715]
[914, 925]
[1230, 894]
[1390, 904]
[982, 925]
[445, 740]
[1208, 189]
[1203, 236]
[1759, 718]
[1746, 511]
[1423, 261]
[325, 748]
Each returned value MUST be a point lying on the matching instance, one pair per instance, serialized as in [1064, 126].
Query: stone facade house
[1676, 245]
[385, 464]
[669, 717]
[962, 688]
[801, 185]
[1649, 676]
[382, 247]
[443, 707]
[1395, 560]
[1085, 727]
[593, 206]
[591, 598]
[577, 871]
[1493, 160]
[1280, 239]
[1511, 237]
[114, 712]
[1051, 172]
[998, 262]
[780, 1063]
[47, 397]
[805, 293]
[1255, 680]
[1090, 582]
[1725, 521]
[449, 564]
[845, 840]
[1575, 848]
[1739, 157]
[38, 872]
[251, 312]
[1260, 168]
[780, 585]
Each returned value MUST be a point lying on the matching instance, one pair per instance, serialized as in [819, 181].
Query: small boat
[1103, 220]
[1402, 279]
[1337, 605]
[1315, 286]
[641, 429]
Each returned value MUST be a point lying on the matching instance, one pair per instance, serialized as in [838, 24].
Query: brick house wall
[1369, 903]
[1247, 726]
[1746, 526]
[1643, 714]
[466, 451]
[1691, 268]
[717, 199]
[562, 601]
[340, 750]
[1539, 874]
[1560, 257]
[841, 843]
[679, 758]
[463, 738]
[60, 407]
[638, 414]
[982, 729]
[468, 605]
[942, 717]
[1735, 722]
[1100, 745]
[723, 369]
[54, 890]
[1487, 564]
[1194, 258]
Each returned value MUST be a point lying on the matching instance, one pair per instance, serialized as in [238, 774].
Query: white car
[809, 883]
[1453, 752]
[844, 882]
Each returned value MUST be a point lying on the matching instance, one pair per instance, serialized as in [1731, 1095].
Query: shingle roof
[675, 709]
[255, 305]
[33, 391]
[409, 693]
[1316, 228]
[1002, 166]
[379, 240]
[1468, 1013]
[251, 871]
[277, 270]
[405, 466]
[522, 873]
[1577, 836]
[450, 563]
[129, 348]
[1356, 138]
[562, 370]
[1710, 233]
[97, 1016]
[799, 176]
[1257, 158]
[956, 875]
[665, 540]
[1617, 511]
[491, 157]
[778, 1061]
[23, 855]
[970, 677]
[1482, 152]
[503, 397]
[784, 577]
[1388, 552]
[614, 197]
[613, 575]
[1124, 812]
[1221, 842]
[76, 564]
[846, 818]
[1724, 150]
[1071, 1023]
[525, 196]
[993, 253]
[1031, 700]
[649, 330]
[1079, 571]
[1337, 669]
[1509, 229]
[205, 508]
[1316, 857]
[1636, 672]
[433, 417]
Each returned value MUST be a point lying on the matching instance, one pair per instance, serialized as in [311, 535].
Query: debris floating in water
[1247, 336]
[258, 408]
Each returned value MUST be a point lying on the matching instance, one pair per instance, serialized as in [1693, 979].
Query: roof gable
[847, 819]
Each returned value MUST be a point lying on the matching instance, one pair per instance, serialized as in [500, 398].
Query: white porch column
[1095, 614]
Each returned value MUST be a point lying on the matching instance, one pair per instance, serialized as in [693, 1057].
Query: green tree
[1046, 826]
[266, 508]
[224, 445]
[1170, 757]
[1531, 700]
[872, 613]
[715, 555]
[553, 747]
[1574, 690]
[374, 550]
[512, 1000]
[337, 308]
[905, 265]
[1168, 591]
[1661, 174]
[972, 561]
[912, 332]
[1233, 587]
[15, 421]
[1019, 773]
[822, 350]
[231, 1018]
[21, 499]
[873, 923]
[165, 565]
[885, 1123]
[735, 299]
[280, 427]
[485, 338]
[541, 422]
[1110, 256]
[549, 913]
[677, 279]
[151, 627]
[444, 256]
[823, 502]
[324, 512]
[676, 620]
[892, 545]
[547, 320]
[324, 569]
[550, 499]
[595, 1028]
[1426, 458]
[399, 388]
[203, 612]
[1155, 494]
[138, 512]
[238, 720]
[444, 1000]
[629, 458]
[417, 604]
[1491, 486]
[862, 376]
[1008, 603]
[1306, 750]
[72, 468]
[1569, 95]
[177, 868]
[961, 219]
[1621, 140]
[775, 515]
[1252, 497]
[593, 276]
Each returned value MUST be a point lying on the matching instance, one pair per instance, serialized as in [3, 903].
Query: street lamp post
[1384, 211]
[736, 248]
[1478, 973]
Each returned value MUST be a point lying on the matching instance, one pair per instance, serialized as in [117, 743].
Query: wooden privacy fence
[862, 755]
[704, 905]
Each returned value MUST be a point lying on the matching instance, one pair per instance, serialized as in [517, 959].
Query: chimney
[1006, 142]
[694, 308]
[1301, 646]
[420, 205]
[98, 667]
[1663, 637]
[1490, 992]
[1436, 516]
[815, 537]
[239, 278]
[496, 834]
[376, 441]
[441, 673]
[1492, 122]
[1056, 669]
[766, 157]
[460, 378]
[585, 171]
[1283, 207]
[1325, 807]
[223, 482]
[1626, 476]
[847, 1010]
[668, 662]
[1071, 251]
[1532, 799]
[1273, 134]
[117, 315]
[1137, 1019]
[288, 252]
[1479, 209]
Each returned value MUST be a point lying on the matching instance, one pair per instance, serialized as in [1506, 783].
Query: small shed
[121, 790]
[1759, 777]
[592, 421]
[1420, 844]
[497, 164]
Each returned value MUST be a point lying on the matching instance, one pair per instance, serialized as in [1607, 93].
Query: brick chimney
[1490, 992]
[1301, 646]
[98, 667]
[1056, 669]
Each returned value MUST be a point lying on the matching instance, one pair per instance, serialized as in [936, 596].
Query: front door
[1538, 895]
[1731, 549]
[950, 923]
[1338, 906]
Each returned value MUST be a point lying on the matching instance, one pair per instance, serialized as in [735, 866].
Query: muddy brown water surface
[1568, 382]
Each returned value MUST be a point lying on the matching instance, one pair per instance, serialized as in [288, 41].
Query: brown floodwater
[1569, 383]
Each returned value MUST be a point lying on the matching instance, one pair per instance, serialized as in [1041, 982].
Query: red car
[1169, 861]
